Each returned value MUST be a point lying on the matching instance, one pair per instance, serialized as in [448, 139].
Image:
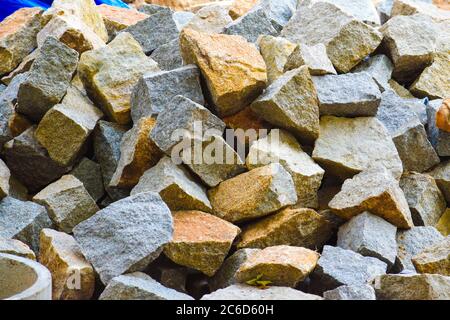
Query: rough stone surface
[138, 153]
[23, 221]
[175, 185]
[412, 242]
[211, 19]
[411, 7]
[348, 41]
[347, 95]
[283, 266]
[67, 201]
[439, 138]
[30, 163]
[294, 227]
[17, 248]
[154, 91]
[443, 226]
[374, 190]
[200, 241]
[441, 175]
[168, 56]
[379, 67]
[220, 55]
[5, 176]
[348, 146]
[355, 292]
[109, 75]
[254, 194]
[315, 57]
[425, 200]
[291, 103]
[435, 259]
[407, 132]
[370, 236]
[90, 174]
[48, 79]
[443, 116]
[337, 267]
[18, 37]
[412, 287]
[182, 116]
[140, 223]
[60, 253]
[282, 147]
[117, 19]
[139, 286]
[240, 7]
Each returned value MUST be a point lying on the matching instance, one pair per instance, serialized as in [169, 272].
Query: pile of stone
[271, 149]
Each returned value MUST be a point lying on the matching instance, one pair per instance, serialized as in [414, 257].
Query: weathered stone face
[443, 226]
[434, 259]
[17, 248]
[211, 19]
[354, 292]
[379, 67]
[90, 174]
[220, 55]
[440, 139]
[315, 57]
[117, 19]
[441, 175]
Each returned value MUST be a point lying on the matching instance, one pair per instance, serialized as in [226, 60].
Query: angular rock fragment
[279, 12]
[200, 241]
[254, 194]
[220, 55]
[175, 185]
[182, 18]
[65, 128]
[211, 19]
[348, 41]
[443, 226]
[407, 132]
[294, 227]
[315, 57]
[283, 148]
[138, 153]
[400, 90]
[245, 292]
[18, 37]
[109, 75]
[411, 7]
[168, 56]
[374, 190]
[154, 91]
[355, 292]
[73, 277]
[151, 9]
[337, 267]
[30, 163]
[17, 248]
[90, 174]
[347, 95]
[291, 103]
[379, 67]
[23, 220]
[183, 119]
[48, 79]
[434, 259]
[439, 138]
[23, 67]
[441, 175]
[240, 7]
[370, 236]
[412, 242]
[425, 200]
[117, 19]
[412, 287]
[67, 201]
[5, 176]
[443, 116]
[348, 146]
[283, 266]
[140, 223]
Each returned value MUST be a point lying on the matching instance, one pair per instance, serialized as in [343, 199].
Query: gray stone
[355, 292]
[68, 203]
[426, 201]
[23, 220]
[440, 139]
[182, 18]
[279, 12]
[183, 114]
[245, 292]
[48, 79]
[210, 19]
[412, 287]
[379, 67]
[407, 132]
[90, 174]
[155, 91]
[412, 242]
[154, 31]
[126, 236]
[226, 275]
[168, 56]
[17, 248]
[441, 175]
[5, 176]
[384, 8]
[348, 146]
[30, 163]
[151, 9]
[370, 236]
[2, 88]
[338, 267]
[347, 95]
[107, 138]
[348, 40]
[175, 185]
[139, 286]
[291, 103]
[315, 57]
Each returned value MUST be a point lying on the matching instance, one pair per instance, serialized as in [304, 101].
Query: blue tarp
[8, 7]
